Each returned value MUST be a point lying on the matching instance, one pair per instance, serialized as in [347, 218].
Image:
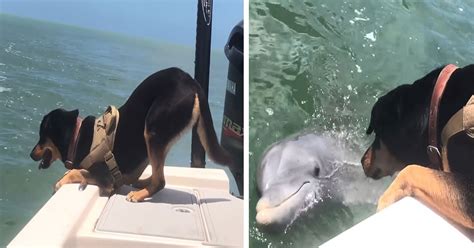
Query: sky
[172, 21]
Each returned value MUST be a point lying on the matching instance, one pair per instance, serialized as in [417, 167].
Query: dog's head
[54, 135]
[398, 120]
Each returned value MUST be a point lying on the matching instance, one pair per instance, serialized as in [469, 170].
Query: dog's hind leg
[156, 182]
[164, 124]
[142, 183]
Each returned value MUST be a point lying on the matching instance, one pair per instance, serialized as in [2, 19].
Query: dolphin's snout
[261, 218]
[275, 214]
[268, 216]
[262, 204]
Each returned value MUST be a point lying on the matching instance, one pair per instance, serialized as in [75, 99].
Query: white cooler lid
[172, 213]
[212, 217]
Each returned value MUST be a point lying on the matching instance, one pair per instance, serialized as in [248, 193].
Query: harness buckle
[108, 156]
[101, 123]
[470, 132]
[434, 155]
[69, 165]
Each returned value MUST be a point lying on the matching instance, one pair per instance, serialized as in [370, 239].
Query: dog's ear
[387, 111]
[375, 116]
[370, 129]
[73, 114]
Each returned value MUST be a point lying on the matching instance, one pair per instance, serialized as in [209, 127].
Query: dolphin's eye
[316, 171]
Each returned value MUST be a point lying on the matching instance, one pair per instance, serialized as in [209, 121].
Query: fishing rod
[201, 70]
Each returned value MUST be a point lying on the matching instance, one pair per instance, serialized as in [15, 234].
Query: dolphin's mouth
[261, 207]
[282, 213]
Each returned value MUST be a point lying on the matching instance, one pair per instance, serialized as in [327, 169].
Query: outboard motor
[232, 138]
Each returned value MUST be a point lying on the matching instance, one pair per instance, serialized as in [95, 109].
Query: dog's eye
[370, 129]
[376, 144]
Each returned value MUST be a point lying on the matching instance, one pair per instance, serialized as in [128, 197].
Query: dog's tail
[207, 134]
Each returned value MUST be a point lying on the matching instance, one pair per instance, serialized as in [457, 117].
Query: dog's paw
[60, 182]
[135, 196]
[382, 204]
[82, 185]
[57, 186]
[390, 197]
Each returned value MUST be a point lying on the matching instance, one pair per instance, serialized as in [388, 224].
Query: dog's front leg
[441, 191]
[75, 176]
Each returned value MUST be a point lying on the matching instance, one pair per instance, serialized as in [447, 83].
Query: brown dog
[399, 120]
[160, 109]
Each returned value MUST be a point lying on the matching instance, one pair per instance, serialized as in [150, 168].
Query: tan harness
[462, 121]
[105, 128]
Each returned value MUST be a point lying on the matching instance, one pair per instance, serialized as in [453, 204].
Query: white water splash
[3, 89]
[269, 111]
[370, 36]
[309, 202]
[361, 19]
[354, 187]
[11, 49]
[356, 19]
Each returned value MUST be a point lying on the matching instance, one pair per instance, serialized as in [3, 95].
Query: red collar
[432, 149]
[71, 152]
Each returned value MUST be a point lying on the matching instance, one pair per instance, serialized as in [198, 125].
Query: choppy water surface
[321, 65]
[45, 66]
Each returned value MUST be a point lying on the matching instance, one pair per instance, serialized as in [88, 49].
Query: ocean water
[44, 66]
[320, 66]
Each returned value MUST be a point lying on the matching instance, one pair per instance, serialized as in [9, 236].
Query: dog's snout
[366, 158]
[35, 153]
[366, 161]
[376, 174]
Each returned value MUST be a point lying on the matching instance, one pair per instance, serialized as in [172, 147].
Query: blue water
[321, 65]
[44, 66]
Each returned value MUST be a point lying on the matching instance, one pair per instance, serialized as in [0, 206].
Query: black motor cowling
[232, 138]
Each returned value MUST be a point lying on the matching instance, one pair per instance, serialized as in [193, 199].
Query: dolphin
[293, 176]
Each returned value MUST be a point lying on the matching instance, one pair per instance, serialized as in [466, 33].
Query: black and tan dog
[160, 109]
[399, 120]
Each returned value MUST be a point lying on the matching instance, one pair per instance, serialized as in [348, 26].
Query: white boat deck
[194, 210]
[407, 223]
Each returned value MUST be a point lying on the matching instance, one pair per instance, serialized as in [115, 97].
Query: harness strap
[71, 151]
[463, 120]
[432, 149]
[103, 144]
[113, 168]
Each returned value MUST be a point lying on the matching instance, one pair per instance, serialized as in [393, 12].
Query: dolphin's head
[288, 179]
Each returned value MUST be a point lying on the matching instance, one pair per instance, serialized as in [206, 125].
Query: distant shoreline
[124, 36]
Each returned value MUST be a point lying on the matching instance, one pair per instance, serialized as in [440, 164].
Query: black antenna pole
[201, 70]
